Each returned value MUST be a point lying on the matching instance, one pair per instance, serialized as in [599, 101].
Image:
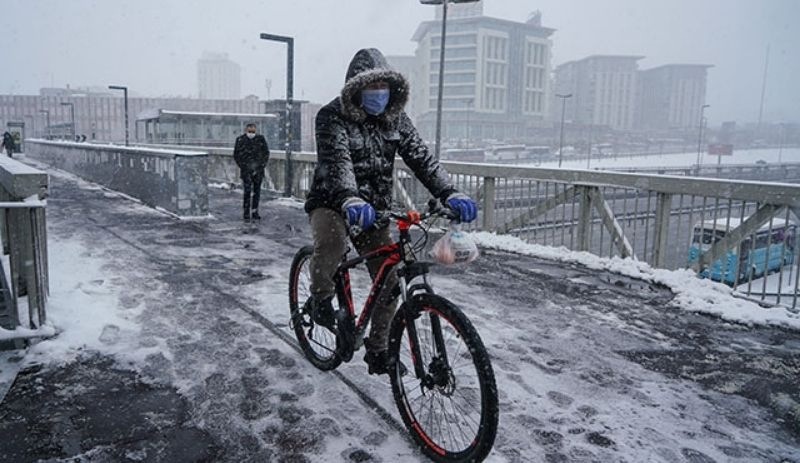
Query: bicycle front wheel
[317, 342]
[443, 382]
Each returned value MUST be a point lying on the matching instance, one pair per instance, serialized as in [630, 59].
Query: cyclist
[358, 135]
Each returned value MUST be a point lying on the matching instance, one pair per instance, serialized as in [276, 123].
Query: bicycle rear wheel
[317, 342]
[451, 410]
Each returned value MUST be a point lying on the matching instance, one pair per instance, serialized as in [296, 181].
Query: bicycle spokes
[445, 400]
[318, 342]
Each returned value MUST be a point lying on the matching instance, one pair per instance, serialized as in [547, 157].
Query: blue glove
[359, 213]
[467, 208]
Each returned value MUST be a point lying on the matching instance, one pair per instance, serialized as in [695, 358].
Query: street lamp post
[127, 130]
[439, 97]
[700, 136]
[72, 115]
[469, 110]
[780, 142]
[563, 111]
[289, 41]
[47, 120]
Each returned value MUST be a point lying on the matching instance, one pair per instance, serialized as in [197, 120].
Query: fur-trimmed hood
[368, 66]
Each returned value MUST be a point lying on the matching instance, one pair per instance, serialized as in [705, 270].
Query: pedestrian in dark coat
[251, 154]
[8, 144]
[358, 136]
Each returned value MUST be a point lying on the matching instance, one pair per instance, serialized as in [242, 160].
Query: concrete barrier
[23, 232]
[175, 180]
[222, 168]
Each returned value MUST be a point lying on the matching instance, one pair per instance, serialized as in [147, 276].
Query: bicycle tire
[298, 293]
[473, 448]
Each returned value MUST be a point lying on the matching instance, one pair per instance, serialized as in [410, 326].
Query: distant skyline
[153, 46]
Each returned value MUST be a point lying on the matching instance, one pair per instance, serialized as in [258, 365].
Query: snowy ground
[590, 365]
[767, 288]
[680, 159]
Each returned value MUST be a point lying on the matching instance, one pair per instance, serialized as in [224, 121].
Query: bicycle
[448, 399]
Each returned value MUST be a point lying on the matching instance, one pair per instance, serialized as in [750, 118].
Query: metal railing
[644, 216]
[24, 275]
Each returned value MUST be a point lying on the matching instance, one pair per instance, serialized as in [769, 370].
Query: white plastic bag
[455, 247]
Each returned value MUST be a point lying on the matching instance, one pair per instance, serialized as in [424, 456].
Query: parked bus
[756, 256]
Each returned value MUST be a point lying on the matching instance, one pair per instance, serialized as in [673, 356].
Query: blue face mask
[374, 101]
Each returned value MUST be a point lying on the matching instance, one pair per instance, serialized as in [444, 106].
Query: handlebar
[384, 218]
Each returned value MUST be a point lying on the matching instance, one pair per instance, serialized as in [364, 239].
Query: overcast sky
[153, 45]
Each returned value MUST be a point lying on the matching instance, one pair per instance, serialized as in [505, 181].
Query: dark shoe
[246, 216]
[379, 363]
[321, 312]
[255, 216]
[345, 335]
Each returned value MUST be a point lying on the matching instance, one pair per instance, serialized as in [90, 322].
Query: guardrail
[647, 217]
[658, 219]
[223, 169]
[173, 179]
[23, 276]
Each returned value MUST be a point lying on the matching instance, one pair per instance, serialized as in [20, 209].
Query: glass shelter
[168, 127]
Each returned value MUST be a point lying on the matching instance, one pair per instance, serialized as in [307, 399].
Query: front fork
[411, 314]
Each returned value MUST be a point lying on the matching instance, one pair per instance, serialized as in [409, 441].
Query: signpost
[720, 149]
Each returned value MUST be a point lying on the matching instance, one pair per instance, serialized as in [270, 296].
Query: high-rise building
[496, 77]
[604, 90]
[218, 77]
[671, 96]
[409, 66]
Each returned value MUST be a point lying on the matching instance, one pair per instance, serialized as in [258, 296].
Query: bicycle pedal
[296, 320]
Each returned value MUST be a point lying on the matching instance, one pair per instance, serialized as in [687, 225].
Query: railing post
[18, 255]
[488, 203]
[663, 208]
[584, 218]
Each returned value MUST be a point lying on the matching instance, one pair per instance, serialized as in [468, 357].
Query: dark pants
[330, 243]
[251, 179]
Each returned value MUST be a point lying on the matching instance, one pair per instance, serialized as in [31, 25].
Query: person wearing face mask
[358, 136]
[251, 154]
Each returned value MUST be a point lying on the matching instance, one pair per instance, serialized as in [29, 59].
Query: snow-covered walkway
[591, 366]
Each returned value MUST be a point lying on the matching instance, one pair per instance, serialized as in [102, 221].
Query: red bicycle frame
[393, 254]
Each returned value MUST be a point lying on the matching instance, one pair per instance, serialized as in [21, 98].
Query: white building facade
[218, 78]
[496, 77]
[604, 91]
[672, 95]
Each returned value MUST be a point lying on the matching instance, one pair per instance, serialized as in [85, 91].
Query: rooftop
[423, 27]
[679, 65]
[604, 57]
[157, 113]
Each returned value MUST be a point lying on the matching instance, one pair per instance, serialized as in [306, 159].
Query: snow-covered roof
[156, 113]
[725, 224]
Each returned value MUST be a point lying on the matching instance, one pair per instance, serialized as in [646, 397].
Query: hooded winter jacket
[356, 151]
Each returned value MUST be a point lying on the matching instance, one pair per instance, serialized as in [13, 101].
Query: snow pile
[221, 186]
[84, 308]
[691, 293]
[288, 202]
[43, 331]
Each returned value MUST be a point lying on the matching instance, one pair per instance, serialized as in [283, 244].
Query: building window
[534, 77]
[495, 75]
